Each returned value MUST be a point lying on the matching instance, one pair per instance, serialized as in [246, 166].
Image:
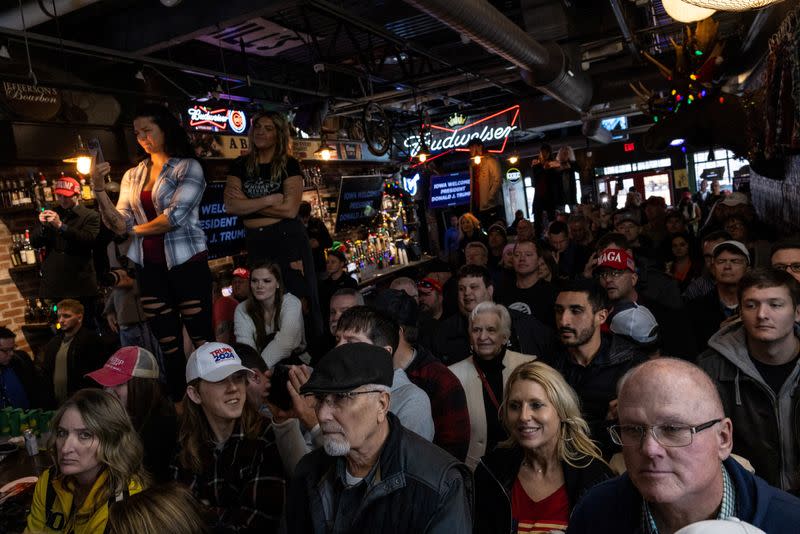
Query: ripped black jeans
[173, 299]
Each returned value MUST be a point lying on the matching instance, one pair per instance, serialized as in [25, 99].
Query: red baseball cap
[241, 272]
[67, 186]
[125, 364]
[430, 283]
[616, 258]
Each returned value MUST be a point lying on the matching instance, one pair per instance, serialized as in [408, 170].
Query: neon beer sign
[492, 129]
[217, 120]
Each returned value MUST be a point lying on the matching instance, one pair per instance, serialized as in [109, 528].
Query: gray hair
[349, 292]
[499, 310]
[405, 284]
[477, 244]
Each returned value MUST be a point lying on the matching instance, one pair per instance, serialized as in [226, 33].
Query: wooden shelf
[13, 210]
[24, 268]
[36, 326]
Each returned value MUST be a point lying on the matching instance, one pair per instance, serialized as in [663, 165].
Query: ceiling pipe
[544, 65]
[34, 15]
[625, 29]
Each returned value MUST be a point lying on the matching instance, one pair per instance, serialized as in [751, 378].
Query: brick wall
[14, 288]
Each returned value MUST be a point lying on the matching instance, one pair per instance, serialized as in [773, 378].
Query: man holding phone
[68, 233]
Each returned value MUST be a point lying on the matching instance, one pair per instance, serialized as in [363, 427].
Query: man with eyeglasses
[785, 256]
[754, 366]
[372, 474]
[617, 272]
[730, 262]
[676, 443]
[704, 284]
[20, 381]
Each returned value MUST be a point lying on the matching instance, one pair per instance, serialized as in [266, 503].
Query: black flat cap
[350, 366]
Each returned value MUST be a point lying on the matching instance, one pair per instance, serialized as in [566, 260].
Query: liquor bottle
[14, 193]
[3, 198]
[27, 249]
[25, 194]
[86, 191]
[16, 260]
[40, 314]
[44, 193]
[30, 315]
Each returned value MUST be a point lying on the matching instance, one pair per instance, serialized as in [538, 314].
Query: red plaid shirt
[448, 402]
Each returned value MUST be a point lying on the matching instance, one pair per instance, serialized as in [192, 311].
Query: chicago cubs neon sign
[217, 120]
[492, 129]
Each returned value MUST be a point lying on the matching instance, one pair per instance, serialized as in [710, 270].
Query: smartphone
[96, 149]
[278, 394]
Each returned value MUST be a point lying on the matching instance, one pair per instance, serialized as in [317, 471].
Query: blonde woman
[264, 188]
[469, 230]
[98, 461]
[166, 508]
[548, 462]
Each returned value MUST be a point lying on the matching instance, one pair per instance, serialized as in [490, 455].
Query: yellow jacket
[62, 518]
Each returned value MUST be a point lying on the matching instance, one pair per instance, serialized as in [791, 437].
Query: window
[634, 167]
[722, 167]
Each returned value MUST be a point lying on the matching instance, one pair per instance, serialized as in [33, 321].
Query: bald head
[670, 380]
[406, 284]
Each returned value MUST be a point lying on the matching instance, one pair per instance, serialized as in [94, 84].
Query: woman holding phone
[158, 207]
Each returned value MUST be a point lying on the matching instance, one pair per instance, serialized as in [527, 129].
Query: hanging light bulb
[513, 159]
[324, 151]
[423, 157]
[684, 11]
[82, 158]
[424, 153]
[476, 160]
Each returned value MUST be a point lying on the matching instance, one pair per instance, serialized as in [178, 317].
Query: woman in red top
[531, 482]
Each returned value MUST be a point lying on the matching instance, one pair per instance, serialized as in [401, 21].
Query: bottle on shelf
[30, 314]
[86, 191]
[27, 249]
[4, 201]
[25, 194]
[43, 192]
[16, 258]
[15, 198]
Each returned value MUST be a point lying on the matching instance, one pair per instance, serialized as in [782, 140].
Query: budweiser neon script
[217, 120]
[492, 129]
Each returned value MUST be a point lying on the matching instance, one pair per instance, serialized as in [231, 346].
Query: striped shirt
[177, 193]
[727, 507]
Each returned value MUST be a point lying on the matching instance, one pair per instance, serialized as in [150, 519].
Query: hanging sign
[34, 102]
[513, 175]
[492, 130]
[217, 120]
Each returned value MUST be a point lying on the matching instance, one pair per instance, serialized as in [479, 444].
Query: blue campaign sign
[224, 232]
[450, 190]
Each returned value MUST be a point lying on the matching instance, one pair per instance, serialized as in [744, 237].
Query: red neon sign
[629, 147]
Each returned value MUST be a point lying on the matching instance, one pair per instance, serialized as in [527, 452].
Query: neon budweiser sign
[217, 120]
[493, 129]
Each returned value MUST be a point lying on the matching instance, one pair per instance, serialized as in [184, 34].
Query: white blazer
[467, 374]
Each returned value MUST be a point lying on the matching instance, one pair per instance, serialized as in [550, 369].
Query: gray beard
[335, 447]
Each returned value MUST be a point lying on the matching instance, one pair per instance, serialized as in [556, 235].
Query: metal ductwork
[545, 66]
[34, 14]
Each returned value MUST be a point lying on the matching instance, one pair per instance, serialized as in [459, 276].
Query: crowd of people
[615, 370]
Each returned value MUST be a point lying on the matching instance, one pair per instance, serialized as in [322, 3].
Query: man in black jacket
[590, 361]
[372, 475]
[20, 382]
[72, 353]
[450, 343]
[68, 233]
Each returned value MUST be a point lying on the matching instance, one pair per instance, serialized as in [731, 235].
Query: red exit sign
[629, 147]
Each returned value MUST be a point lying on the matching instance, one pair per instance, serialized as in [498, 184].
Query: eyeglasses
[668, 435]
[795, 267]
[338, 400]
[605, 275]
[734, 261]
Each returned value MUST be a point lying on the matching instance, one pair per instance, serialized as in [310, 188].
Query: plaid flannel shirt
[242, 482]
[448, 402]
[177, 193]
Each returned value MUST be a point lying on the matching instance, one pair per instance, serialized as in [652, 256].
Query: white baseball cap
[731, 525]
[637, 323]
[213, 362]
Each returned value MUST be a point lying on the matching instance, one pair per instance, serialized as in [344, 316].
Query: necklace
[527, 464]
